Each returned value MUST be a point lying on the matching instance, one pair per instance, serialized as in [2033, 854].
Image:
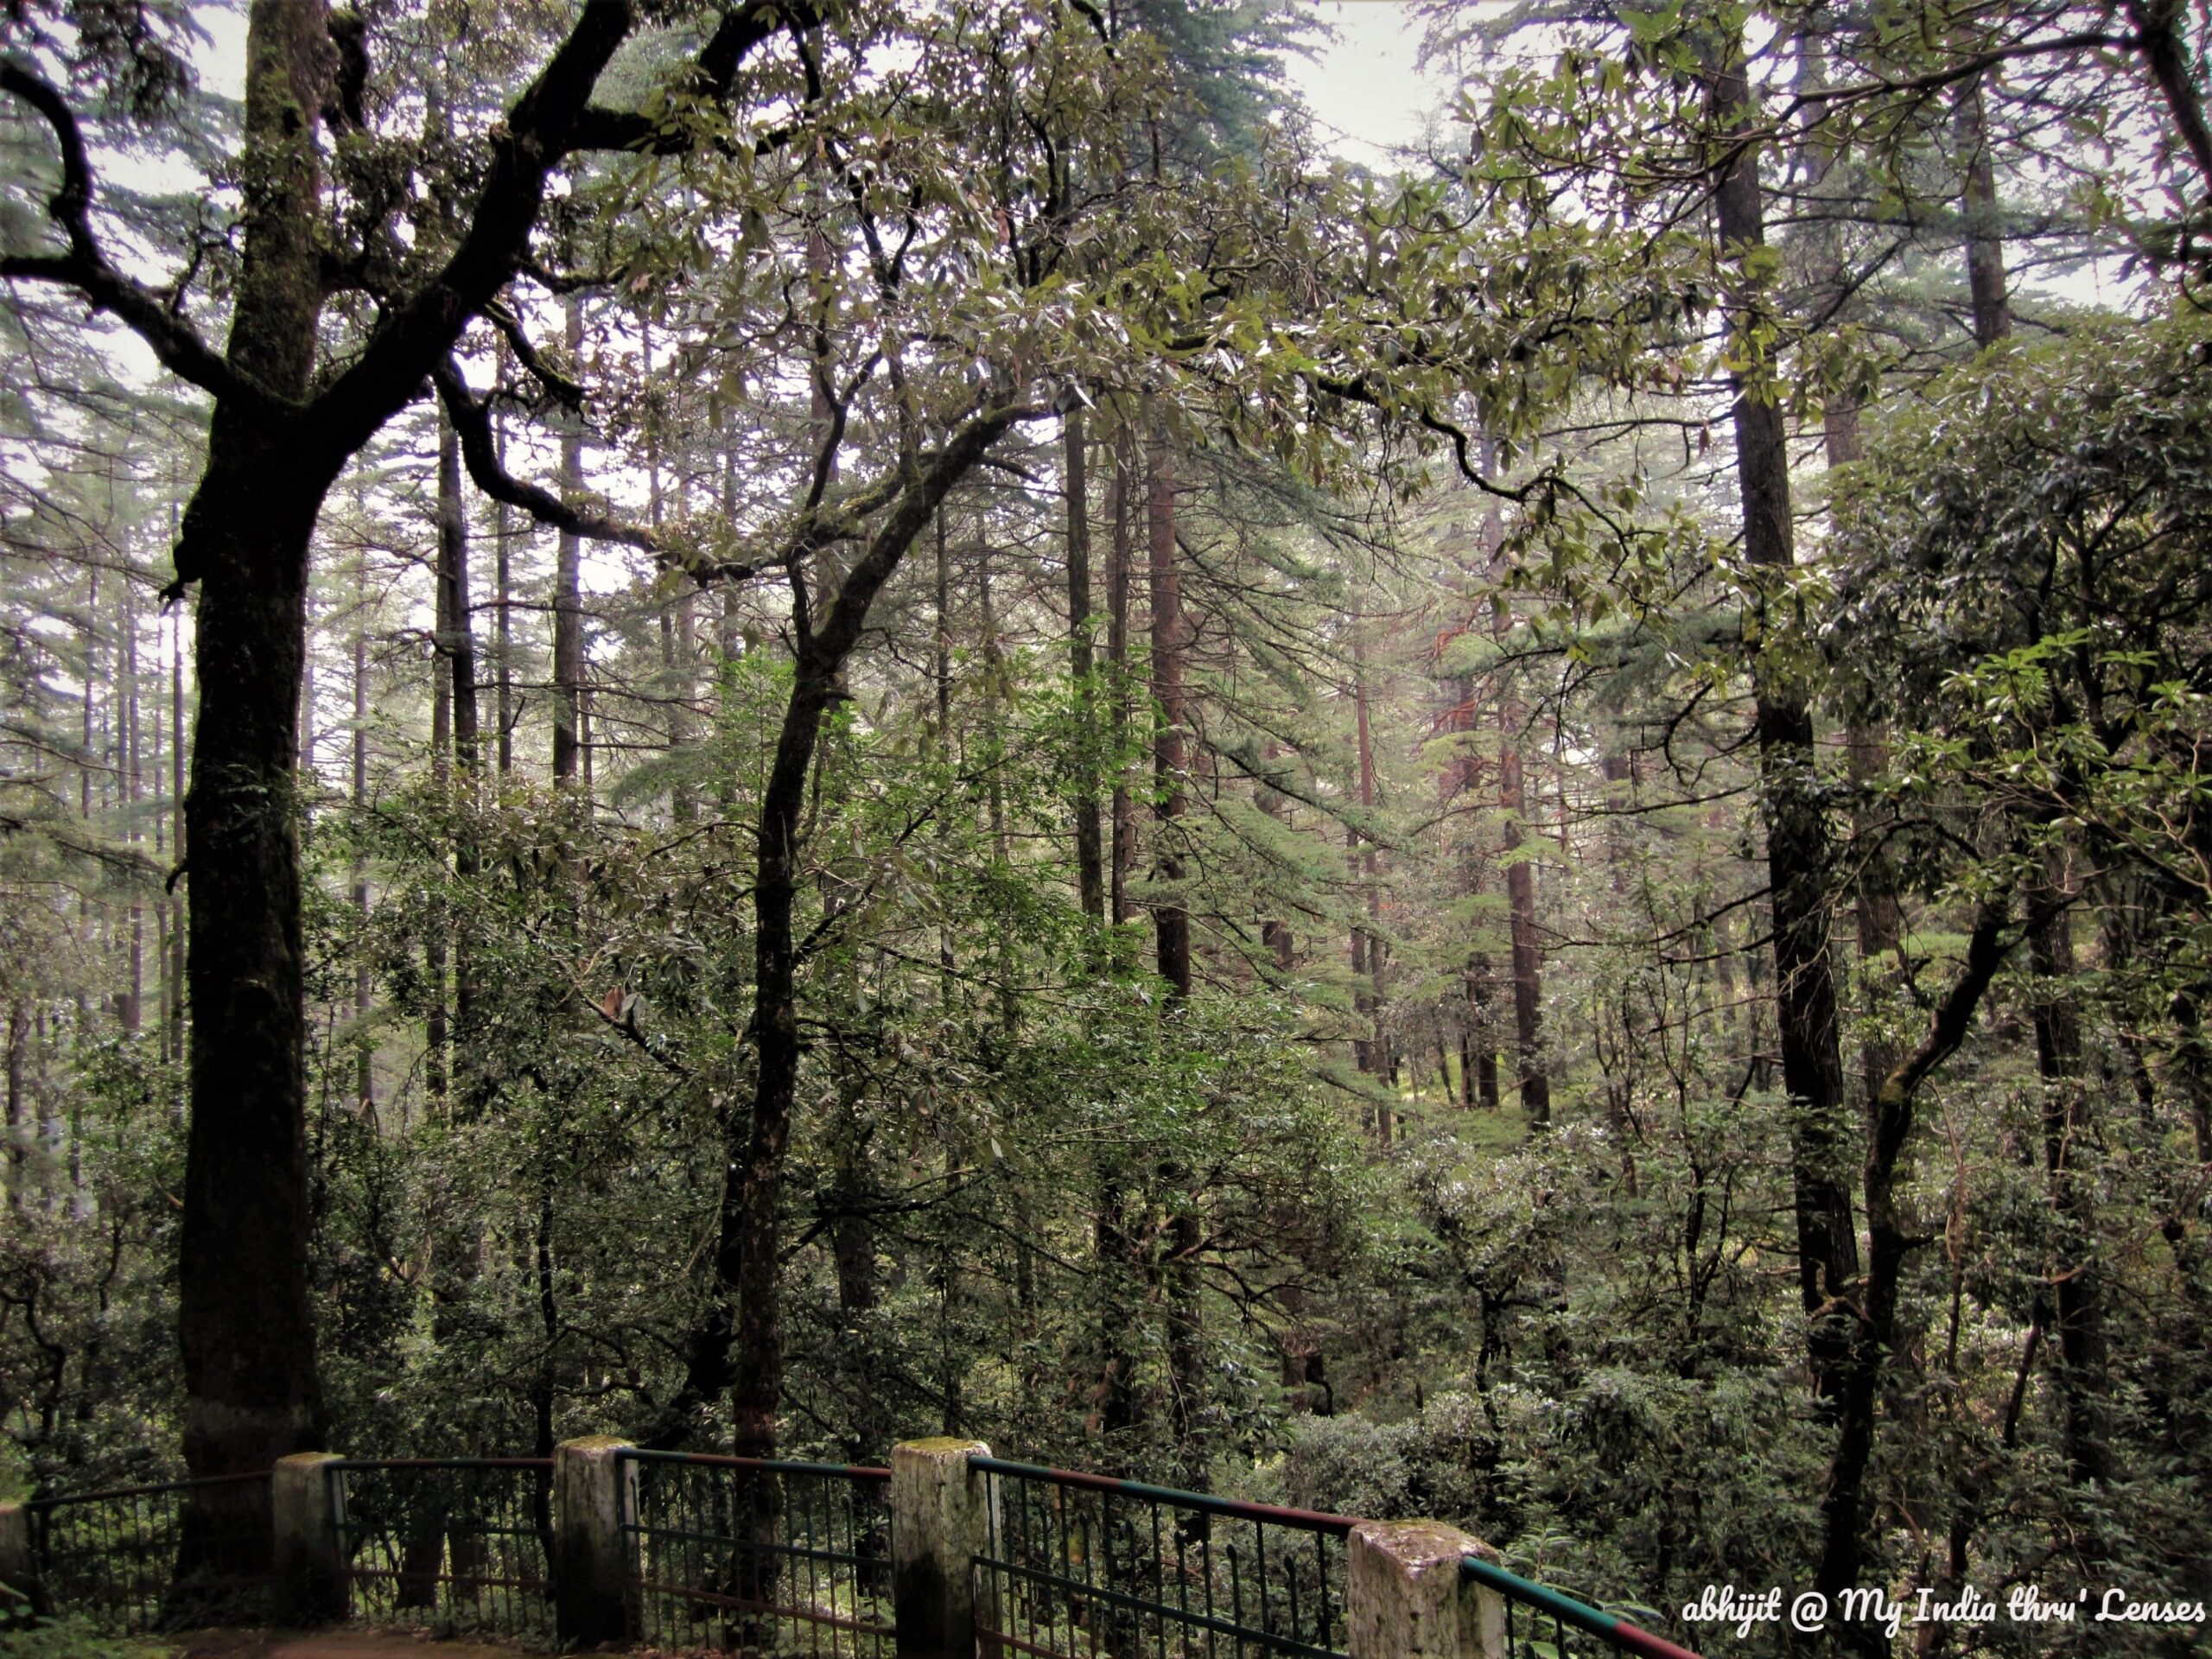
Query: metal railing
[1574, 1627]
[1082, 1566]
[139, 1559]
[775, 1559]
[759, 1555]
[450, 1544]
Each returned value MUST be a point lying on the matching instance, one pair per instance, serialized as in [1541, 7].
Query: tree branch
[553, 118]
[713, 78]
[85, 269]
[2158, 37]
[472, 424]
[918, 498]
[565, 390]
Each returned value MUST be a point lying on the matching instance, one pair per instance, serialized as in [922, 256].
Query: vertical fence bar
[760, 1554]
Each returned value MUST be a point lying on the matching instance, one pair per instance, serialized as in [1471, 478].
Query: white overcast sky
[1362, 86]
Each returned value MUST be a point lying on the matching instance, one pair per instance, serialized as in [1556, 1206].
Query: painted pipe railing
[1529, 1603]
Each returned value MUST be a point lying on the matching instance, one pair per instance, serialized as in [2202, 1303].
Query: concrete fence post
[595, 1593]
[1405, 1598]
[941, 1520]
[18, 1574]
[303, 1522]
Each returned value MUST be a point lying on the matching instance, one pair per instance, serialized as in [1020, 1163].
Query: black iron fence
[138, 1559]
[769, 1558]
[759, 1556]
[453, 1545]
[1084, 1566]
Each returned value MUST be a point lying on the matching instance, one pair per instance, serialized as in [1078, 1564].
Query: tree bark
[251, 1393]
[1121, 812]
[1985, 242]
[1090, 854]
[1170, 752]
[1796, 830]
[568, 604]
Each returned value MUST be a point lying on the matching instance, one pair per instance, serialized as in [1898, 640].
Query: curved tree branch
[472, 424]
[85, 269]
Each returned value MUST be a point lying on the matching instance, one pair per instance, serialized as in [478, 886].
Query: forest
[775, 724]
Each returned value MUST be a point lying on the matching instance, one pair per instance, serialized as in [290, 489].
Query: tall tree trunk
[1121, 811]
[436, 1019]
[251, 1393]
[20, 1112]
[2078, 1299]
[1878, 921]
[738, 1342]
[1890, 1241]
[1090, 855]
[1118, 1250]
[1172, 925]
[941, 665]
[1373, 1050]
[88, 710]
[568, 603]
[307, 692]
[1170, 752]
[133, 787]
[1277, 933]
[165, 987]
[1993, 312]
[457, 650]
[365, 1060]
[1796, 830]
[1521, 908]
[176, 969]
[504, 639]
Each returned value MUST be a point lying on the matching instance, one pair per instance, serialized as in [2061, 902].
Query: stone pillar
[941, 1520]
[303, 1521]
[595, 1597]
[1405, 1598]
[18, 1579]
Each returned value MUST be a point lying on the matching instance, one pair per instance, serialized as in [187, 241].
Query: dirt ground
[331, 1644]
